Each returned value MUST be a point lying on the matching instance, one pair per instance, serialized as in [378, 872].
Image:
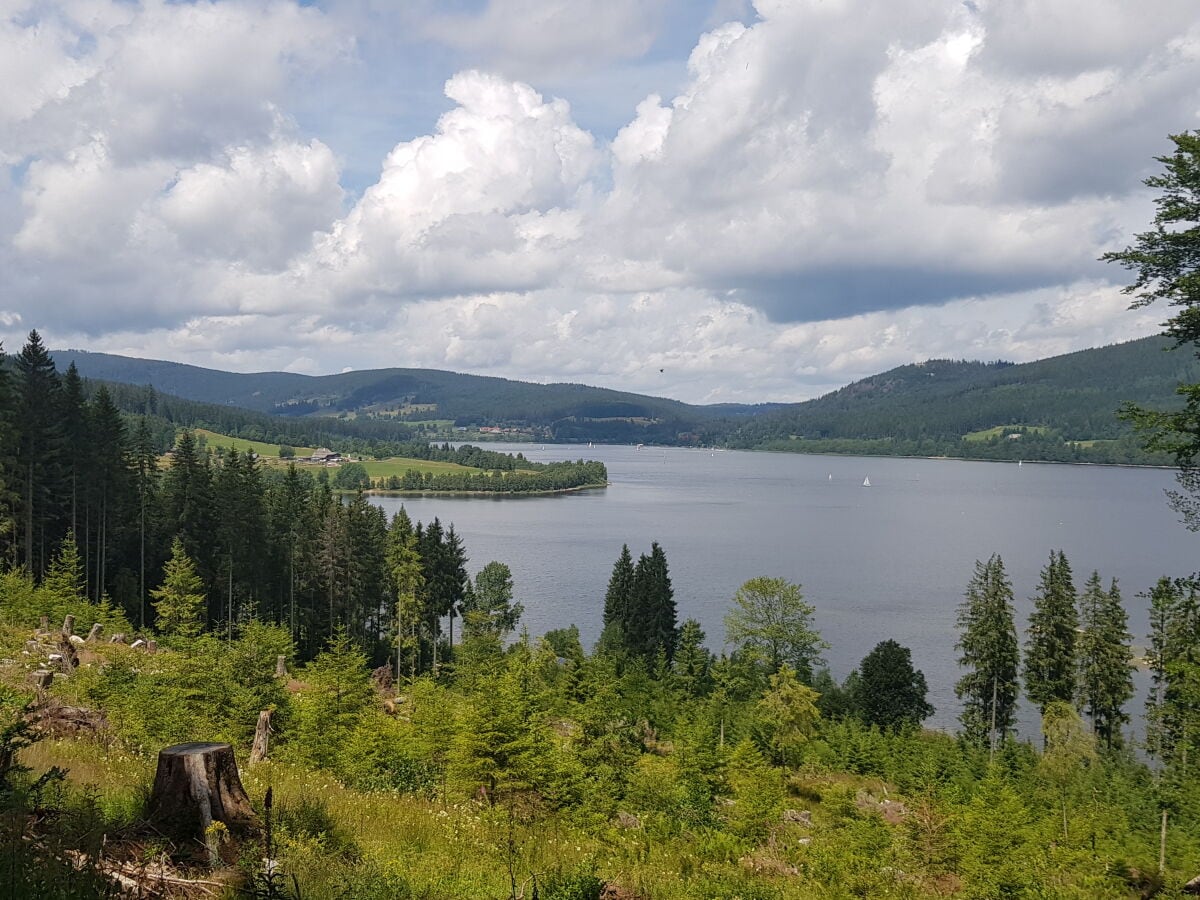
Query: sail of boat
[867, 482]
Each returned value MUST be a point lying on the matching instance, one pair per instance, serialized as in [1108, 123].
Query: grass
[398, 465]
[999, 431]
[376, 468]
[224, 441]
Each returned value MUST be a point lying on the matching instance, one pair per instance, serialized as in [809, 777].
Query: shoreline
[386, 492]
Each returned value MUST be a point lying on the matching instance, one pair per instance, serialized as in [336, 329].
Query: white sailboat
[831, 476]
[866, 482]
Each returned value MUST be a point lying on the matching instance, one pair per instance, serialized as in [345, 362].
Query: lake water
[887, 561]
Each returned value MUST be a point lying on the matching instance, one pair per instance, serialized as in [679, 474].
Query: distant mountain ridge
[924, 407]
[569, 411]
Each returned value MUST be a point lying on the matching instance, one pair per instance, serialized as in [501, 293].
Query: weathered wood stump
[197, 784]
[94, 634]
[68, 628]
[262, 737]
[151, 646]
[41, 680]
[280, 667]
[44, 625]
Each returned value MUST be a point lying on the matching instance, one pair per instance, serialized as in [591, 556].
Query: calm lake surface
[887, 561]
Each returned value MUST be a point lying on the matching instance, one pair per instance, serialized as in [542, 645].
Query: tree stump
[44, 626]
[197, 784]
[68, 628]
[94, 634]
[262, 737]
[280, 667]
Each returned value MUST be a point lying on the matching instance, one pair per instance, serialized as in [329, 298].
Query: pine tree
[179, 603]
[65, 579]
[988, 649]
[39, 451]
[651, 626]
[145, 474]
[618, 598]
[187, 504]
[1050, 667]
[110, 483]
[692, 660]
[75, 444]
[1105, 659]
[9, 497]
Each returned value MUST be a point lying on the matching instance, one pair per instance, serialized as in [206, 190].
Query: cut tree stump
[94, 634]
[197, 784]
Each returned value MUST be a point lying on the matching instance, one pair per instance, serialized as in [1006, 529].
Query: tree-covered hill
[569, 411]
[1064, 407]
[930, 407]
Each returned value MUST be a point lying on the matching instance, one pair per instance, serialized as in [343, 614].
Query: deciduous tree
[888, 691]
[771, 623]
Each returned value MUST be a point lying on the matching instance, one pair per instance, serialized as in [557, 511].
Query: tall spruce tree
[988, 650]
[39, 452]
[619, 596]
[1105, 659]
[111, 480]
[1050, 667]
[179, 602]
[651, 627]
[9, 498]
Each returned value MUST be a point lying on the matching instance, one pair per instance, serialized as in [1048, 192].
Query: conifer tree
[1105, 659]
[651, 628]
[179, 602]
[111, 478]
[1050, 668]
[618, 603]
[692, 660]
[39, 450]
[8, 475]
[75, 443]
[988, 649]
[65, 579]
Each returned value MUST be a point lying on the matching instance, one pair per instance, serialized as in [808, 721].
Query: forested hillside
[567, 412]
[1058, 406]
[1064, 408]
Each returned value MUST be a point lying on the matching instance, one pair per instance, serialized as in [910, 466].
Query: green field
[398, 465]
[224, 441]
[999, 431]
[376, 468]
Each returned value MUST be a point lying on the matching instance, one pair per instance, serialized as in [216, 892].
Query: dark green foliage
[639, 608]
[888, 691]
[39, 450]
[1050, 667]
[1105, 659]
[987, 647]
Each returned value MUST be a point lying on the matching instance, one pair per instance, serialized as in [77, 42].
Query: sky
[712, 200]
